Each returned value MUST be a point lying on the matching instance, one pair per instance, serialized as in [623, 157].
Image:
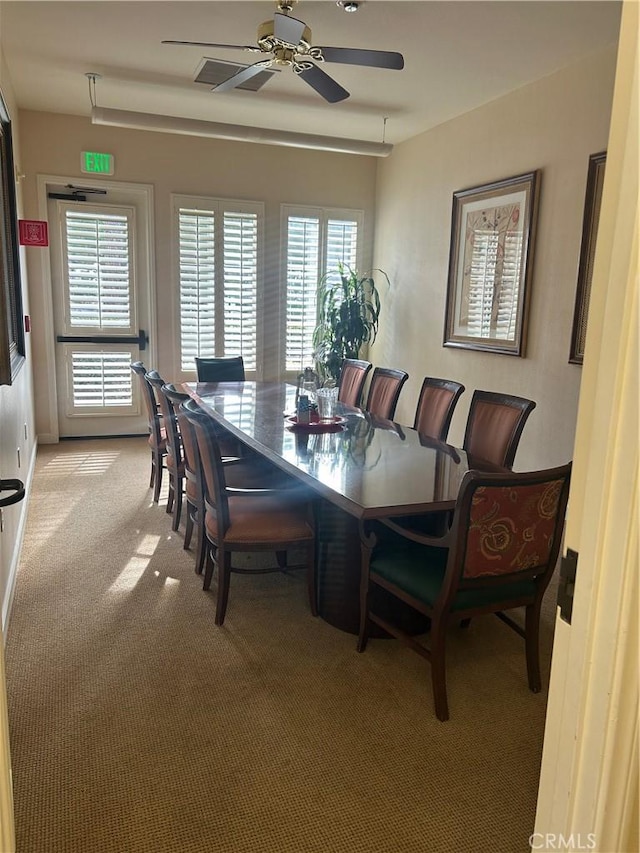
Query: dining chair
[353, 375]
[436, 403]
[228, 369]
[384, 391]
[499, 554]
[193, 489]
[248, 519]
[174, 461]
[157, 437]
[241, 472]
[494, 426]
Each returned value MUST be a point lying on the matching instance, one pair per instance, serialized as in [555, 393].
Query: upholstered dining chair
[436, 402]
[174, 461]
[494, 426]
[193, 482]
[227, 369]
[499, 554]
[353, 375]
[157, 437]
[241, 472]
[384, 391]
[248, 519]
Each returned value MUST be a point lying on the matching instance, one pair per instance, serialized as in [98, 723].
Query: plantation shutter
[315, 244]
[100, 298]
[303, 264]
[197, 285]
[98, 260]
[241, 286]
[342, 244]
[219, 272]
[101, 379]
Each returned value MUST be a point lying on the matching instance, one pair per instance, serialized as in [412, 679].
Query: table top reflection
[369, 467]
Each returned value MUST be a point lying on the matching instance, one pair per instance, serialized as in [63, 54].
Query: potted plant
[348, 312]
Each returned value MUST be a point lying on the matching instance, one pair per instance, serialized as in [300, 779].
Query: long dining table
[360, 469]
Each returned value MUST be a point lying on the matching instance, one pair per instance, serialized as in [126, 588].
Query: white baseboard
[17, 547]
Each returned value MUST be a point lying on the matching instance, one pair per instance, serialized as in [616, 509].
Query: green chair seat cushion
[419, 571]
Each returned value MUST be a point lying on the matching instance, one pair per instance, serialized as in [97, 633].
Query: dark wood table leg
[338, 568]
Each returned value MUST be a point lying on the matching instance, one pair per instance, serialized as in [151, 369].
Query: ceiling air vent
[214, 71]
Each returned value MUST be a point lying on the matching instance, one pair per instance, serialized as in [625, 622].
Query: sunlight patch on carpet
[80, 463]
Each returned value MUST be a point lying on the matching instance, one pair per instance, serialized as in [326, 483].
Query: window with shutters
[218, 246]
[97, 256]
[315, 240]
[98, 265]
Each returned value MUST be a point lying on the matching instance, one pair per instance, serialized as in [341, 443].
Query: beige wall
[552, 125]
[276, 175]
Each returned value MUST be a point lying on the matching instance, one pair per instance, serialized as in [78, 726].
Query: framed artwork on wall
[591, 218]
[11, 317]
[490, 263]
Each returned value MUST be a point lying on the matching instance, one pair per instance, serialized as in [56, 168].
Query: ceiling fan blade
[241, 76]
[371, 58]
[287, 29]
[209, 44]
[323, 84]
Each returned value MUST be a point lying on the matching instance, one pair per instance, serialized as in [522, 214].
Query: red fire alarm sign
[33, 232]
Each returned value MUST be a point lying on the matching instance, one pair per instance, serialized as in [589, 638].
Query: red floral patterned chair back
[512, 528]
[499, 555]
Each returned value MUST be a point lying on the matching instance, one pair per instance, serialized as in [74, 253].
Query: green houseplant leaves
[348, 312]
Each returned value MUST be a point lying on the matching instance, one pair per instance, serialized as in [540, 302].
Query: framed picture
[11, 317]
[595, 180]
[492, 238]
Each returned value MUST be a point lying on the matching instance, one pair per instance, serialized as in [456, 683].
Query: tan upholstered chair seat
[262, 518]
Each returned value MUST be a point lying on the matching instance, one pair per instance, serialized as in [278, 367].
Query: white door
[100, 311]
[588, 798]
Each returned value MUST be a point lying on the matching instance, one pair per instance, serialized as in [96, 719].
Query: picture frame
[590, 221]
[490, 265]
[12, 349]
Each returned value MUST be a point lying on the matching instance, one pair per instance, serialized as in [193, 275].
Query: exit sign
[96, 163]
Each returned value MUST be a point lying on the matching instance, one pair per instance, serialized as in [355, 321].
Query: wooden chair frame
[502, 455]
[216, 500]
[194, 492]
[223, 369]
[455, 389]
[157, 438]
[174, 462]
[360, 368]
[379, 376]
[441, 611]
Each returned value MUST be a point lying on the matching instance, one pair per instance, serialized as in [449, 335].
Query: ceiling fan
[288, 40]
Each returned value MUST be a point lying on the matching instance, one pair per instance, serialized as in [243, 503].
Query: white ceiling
[458, 56]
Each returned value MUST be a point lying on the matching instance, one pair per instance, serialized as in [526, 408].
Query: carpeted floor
[138, 726]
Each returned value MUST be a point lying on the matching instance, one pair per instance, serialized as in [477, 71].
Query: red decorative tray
[315, 424]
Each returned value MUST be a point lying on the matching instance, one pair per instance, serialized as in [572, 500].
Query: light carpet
[138, 725]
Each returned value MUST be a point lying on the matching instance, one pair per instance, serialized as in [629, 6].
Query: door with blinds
[99, 315]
